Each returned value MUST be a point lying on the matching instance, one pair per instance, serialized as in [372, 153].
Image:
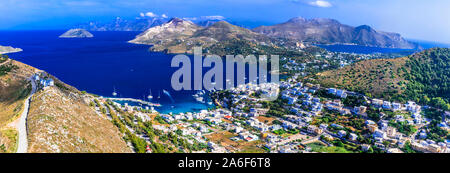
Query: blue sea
[370, 50]
[106, 62]
[362, 49]
[101, 64]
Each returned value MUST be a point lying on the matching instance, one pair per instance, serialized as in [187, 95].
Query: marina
[137, 101]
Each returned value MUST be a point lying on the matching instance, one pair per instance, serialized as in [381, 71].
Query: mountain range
[288, 34]
[330, 31]
[180, 36]
[139, 24]
[120, 24]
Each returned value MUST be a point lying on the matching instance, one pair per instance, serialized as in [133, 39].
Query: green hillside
[422, 77]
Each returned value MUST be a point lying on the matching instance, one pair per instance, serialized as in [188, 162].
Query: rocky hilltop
[175, 29]
[76, 33]
[330, 31]
[421, 77]
[223, 31]
[59, 119]
[180, 36]
[9, 49]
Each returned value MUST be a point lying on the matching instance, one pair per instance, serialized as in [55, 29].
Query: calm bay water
[361, 49]
[370, 50]
[100, 64]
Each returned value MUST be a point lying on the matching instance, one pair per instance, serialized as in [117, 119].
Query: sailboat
[159, 95]
[114, 92]
[150, 96]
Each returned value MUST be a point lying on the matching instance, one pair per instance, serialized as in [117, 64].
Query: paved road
[22, 126]
[5, 62]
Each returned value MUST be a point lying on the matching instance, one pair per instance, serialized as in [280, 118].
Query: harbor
[136, 100]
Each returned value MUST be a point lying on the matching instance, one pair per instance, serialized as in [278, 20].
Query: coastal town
[305, 118]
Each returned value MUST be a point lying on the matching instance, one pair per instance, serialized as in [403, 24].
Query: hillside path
[22, 125]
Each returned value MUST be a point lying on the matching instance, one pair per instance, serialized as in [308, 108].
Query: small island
[76, 33]
[9, 49]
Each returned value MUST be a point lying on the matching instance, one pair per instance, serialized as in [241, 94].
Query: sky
[414, 19]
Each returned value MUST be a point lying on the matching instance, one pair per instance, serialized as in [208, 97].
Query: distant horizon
[445, 45]
[422, 20]
[241, 23]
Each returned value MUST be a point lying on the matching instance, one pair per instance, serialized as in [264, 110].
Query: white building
[353, 137]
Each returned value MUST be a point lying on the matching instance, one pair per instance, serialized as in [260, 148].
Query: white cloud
[148, 14]
[164, 16]
[320, 3]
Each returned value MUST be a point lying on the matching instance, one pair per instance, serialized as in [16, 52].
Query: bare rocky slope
[14, 89]
[423, 77]
[76, 33]
[180, 36]
[59, 119]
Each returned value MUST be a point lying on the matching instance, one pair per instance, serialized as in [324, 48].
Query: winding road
[8, 60]
[22, 126]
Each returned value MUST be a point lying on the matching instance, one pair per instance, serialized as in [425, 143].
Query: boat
[114, 92]
[150, 96]
[200, 99]
[159, 95]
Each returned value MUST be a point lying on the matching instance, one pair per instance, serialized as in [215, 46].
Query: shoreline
[134, 100]
[9, 49]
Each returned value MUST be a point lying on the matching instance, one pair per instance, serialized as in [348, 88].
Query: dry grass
[266, 120]
[14, 89]
[223, 138]
[251, 147]
[8, 140]
[61, 122]
[58, 121]
[376, 76]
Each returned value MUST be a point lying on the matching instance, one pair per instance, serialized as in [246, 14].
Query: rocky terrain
[59, 117]
[9, 49]
[329, 31]
[377, 76]
[61, 121]
[421, 77]
[14, 89]
[180, 36]
[76, 33]
[168, 36]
